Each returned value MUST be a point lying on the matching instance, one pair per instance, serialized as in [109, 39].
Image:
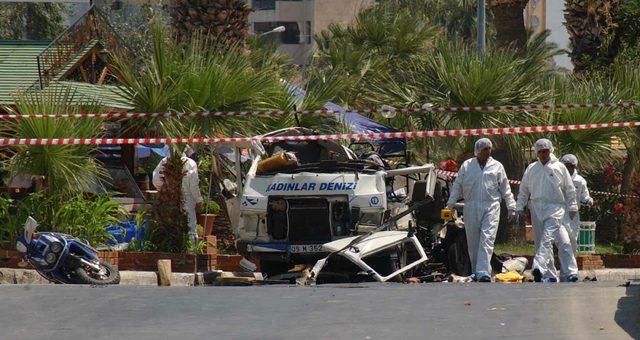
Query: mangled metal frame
[350, 249]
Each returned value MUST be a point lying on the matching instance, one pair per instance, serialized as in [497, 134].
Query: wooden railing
[93, 25]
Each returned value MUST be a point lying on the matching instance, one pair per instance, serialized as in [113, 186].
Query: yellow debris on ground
[512, 277]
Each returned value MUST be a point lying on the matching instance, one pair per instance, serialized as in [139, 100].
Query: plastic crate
[587, 238]
[124, 232]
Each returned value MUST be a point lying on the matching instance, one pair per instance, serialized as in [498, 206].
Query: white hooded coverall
[482, 190]
[549, 192]
[190, 190]
[582, 195]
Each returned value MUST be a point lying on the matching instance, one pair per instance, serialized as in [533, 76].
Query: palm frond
[68, 169]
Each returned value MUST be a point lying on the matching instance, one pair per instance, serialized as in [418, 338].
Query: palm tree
[375, 48]
[508, 19]
[456, 75]
[67, 169]
[42, 21]
[192, 77]
[627, 76]
[170, 219]
[590, 24]
[226, 20]
[592, 147]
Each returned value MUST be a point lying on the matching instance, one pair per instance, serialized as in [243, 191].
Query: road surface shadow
[628, 312]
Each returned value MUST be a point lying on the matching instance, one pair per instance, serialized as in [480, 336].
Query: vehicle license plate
[305, 248]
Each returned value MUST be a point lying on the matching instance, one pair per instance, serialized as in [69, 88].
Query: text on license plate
[305, 248]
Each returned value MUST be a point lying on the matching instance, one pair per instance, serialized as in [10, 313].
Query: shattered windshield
[311, 156]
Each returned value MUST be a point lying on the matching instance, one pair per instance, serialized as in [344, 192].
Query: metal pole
[482, 23]
[39, 72]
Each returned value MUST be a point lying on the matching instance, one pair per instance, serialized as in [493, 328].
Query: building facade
[541, 15]
[302, 20]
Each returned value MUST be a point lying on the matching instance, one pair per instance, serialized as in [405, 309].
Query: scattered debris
[462, 279]
[510, 277]
[237, 278]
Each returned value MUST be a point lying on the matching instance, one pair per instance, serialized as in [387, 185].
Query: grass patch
[529, 249]
[609, 248]
[515, 248]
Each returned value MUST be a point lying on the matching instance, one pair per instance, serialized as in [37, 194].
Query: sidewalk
[134, 278]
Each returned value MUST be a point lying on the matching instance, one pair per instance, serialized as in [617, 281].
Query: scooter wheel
[111, 275]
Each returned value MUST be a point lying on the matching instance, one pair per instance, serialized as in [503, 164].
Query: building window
[292, 33]
[264, 4]
[307, 31]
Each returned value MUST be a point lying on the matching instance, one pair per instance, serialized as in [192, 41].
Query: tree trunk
[508, 17]
[630, 167]
[589, 24]
[631, 226]
[226, 21]
[513, 167]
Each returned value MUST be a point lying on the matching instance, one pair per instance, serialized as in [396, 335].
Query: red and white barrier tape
[516, 182]
[482, 108]
[340, 136]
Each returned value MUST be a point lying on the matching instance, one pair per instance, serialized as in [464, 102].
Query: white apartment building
[302, 20]
[541, 15]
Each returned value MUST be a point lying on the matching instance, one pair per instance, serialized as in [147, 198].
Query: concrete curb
[614, 274]
[135, 278]
[127, 278]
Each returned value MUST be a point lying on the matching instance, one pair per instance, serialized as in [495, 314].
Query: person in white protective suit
[548, 191]
[582, 195]
[190, 189]
[482, 182]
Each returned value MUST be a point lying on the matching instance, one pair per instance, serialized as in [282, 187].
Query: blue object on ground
[124, 232]
[572, 278]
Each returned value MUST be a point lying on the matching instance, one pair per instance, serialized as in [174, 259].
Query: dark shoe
[549, 280]
[572, 278]
[537, 275]
[484, 278]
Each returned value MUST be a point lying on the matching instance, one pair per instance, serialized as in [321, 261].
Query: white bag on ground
[517, 264]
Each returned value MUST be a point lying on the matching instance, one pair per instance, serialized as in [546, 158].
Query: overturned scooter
[62, 258]
[380, 255]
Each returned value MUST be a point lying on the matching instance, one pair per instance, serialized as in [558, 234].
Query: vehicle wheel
[272, 268]
[108, 275]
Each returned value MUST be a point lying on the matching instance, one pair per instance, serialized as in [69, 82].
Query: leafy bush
[86, 218]
[607, 210]
[81, 217]
[9, 228]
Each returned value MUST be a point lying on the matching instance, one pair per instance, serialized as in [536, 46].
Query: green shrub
[85, 218]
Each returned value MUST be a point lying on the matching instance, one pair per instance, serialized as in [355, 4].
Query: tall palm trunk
[631, 226]
[589, 23]
[226, 20]
[508, 18]
[170, 225]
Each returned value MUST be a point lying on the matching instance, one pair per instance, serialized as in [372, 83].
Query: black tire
[112, 277]
[273, 268]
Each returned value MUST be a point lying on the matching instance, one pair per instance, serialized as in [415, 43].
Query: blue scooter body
[55, 256]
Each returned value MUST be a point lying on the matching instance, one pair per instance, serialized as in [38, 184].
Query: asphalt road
[373, 311]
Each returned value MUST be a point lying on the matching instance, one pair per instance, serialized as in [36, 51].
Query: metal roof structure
[19, 73]
[18, 67]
